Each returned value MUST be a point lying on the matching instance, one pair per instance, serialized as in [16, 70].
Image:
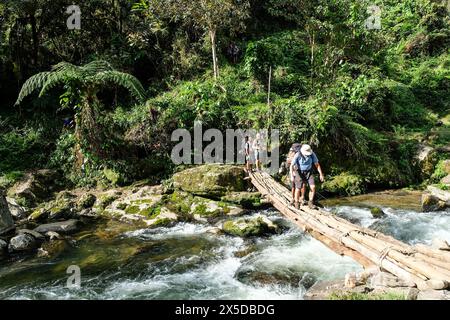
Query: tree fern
[124, 80]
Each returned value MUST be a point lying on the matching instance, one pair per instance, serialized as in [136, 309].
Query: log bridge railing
[419, 265]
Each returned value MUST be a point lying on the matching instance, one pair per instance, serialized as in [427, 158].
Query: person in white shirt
[257, 147]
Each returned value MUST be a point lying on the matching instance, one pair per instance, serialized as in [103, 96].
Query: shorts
[299, 183]
[257, 155]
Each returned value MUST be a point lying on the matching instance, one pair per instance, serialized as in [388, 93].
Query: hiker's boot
[303, 203]
[296, 205]
[311, 205]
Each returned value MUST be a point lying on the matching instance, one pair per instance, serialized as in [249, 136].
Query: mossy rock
[211, 180]
[188, 206]
[248, 200]
[55, 248]
[39, 214]
[179, 202]
[345, 184]
[250, 227]
[86, 201]
[431, 203]
[34, 187]
[162, 222]
[377, 212]
[60, 208]
[105, 200]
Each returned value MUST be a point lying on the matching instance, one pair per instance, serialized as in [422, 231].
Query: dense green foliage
[363, 97]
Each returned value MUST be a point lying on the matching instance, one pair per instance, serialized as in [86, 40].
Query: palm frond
[131, 83]
[33, 83]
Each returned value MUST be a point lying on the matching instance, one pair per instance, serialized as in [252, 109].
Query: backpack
[295, 148]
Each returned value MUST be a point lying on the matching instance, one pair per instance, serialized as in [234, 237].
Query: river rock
[442, 195]
[446, 180]
[323, 290]
[22, 242]
[6, 219]
[377, 212]
[86, 201]
[426, 159]
[63, 227]
[211, 180]
[53, 235]
[3, 247]
[248, 200]
[250, 227]
[385, 279]
[18, 212]
[433, 295]
[54, 248]
[38, 236]
[431, 203]
[34, 187]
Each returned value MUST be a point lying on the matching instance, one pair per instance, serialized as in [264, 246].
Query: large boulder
[426, 159]
[63, 227]
[442, 195]
[60, 208]
[6, 220]
[34, 187]
[211, 180]
[250, 227]
[431, 203]
[22, 242]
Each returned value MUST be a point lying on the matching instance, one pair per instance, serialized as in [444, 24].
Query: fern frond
[64, 67]
[131, 83]
[57, 78]
[95, 67]
[33, 83]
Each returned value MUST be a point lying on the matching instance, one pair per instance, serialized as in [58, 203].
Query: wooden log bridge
[418, 265]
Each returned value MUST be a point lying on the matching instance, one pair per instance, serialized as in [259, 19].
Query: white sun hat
[306, 150]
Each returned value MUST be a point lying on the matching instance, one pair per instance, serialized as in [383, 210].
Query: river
[187, 261]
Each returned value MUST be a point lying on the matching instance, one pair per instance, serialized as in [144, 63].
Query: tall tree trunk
[212, 35]
[79, 157]
[35, 39]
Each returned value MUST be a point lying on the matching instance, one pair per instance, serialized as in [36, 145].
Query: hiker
[248, 150]
[295, 148]
[302, 165]
[256, 146]
[233, 52]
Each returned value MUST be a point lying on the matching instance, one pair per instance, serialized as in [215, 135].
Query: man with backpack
[301, 168]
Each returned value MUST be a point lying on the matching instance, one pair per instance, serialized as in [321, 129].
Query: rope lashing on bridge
[422, 265]
[346, 234]
[383, 255]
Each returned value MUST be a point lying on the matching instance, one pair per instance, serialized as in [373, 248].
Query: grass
[367, 296]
